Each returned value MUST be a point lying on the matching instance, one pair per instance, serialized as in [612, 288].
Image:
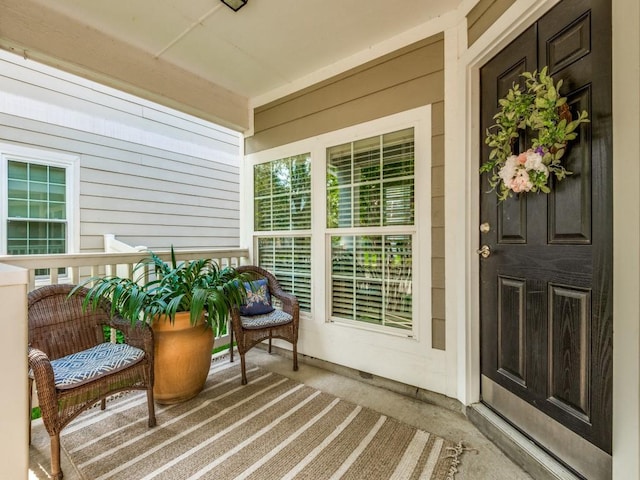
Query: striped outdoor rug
[272, 428]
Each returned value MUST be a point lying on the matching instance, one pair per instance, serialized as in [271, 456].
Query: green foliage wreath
[540, 109]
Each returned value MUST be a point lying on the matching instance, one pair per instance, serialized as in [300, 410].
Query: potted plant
[184, 303]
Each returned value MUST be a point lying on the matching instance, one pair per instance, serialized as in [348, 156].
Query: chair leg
[30, 406]
[230, 343]
[269, 341]
[244, 369]
[151, 407]
[295, 357]
[103, 404]
[56, 471]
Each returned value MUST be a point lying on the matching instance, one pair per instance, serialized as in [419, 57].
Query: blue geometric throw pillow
[258, 301]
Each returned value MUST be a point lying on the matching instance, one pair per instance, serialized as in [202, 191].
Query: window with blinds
[370, 200]
[282, 203]
[282, 194]
[289, 259]
[370, 182]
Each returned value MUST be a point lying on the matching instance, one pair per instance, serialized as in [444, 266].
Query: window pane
[56, 246]
[301, 211]
[302, 255]
[17, 170]
[371, 279]
[38, 173]
[366, 160]
[284, 186]
[339, 208]
[281, 177]
[381, 184]
[398, 203]
[283, 254]
[398, 286]
[18, 208]
[339, 165]
[38, 209]
[342, 256]
[369, 301]
[38, 191]
[262, 179]
[342, 304]
[398, 256]
[300, 174]
[262, 214]
[18, 189]
[57, 193]
[57, 211]
[281, 212]
[289, 259]
[266, 253]
[367, 205]
[398, 154]
[57, 176]
[369, 257]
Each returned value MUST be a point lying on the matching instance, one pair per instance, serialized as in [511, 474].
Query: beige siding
[408, 78]
[437, 227]
[483, 15]
[148, 177]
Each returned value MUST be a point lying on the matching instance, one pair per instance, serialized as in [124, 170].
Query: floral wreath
[540, 108]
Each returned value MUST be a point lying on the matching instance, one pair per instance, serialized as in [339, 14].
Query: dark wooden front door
[546, 288]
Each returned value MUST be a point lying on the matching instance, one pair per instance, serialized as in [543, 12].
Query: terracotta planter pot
[182, 358]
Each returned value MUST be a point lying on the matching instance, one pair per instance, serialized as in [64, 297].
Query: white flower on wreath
[525, 172]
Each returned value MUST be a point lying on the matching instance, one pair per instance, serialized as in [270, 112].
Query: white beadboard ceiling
[265, 46]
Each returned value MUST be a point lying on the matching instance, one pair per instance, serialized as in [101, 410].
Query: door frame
[462, 97]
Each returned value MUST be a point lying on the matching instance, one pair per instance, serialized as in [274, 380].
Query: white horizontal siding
[58, 92]
[148, 175]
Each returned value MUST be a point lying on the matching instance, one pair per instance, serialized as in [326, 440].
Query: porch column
[14, 448]
[626, 238]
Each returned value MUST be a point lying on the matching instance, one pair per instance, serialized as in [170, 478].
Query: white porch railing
[76, 267]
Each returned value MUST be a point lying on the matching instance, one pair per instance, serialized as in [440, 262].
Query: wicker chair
[250, 330]
[61, 337]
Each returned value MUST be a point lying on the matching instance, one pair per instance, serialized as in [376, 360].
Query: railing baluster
[98, 263]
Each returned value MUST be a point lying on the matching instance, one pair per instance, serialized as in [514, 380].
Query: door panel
[545, 290]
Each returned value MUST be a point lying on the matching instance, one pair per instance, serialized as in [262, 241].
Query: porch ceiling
[201, 57]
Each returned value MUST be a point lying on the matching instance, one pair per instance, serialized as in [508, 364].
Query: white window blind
[370, 182]
[370, 200]
[282, 203]
[289, 259]
[282, 194]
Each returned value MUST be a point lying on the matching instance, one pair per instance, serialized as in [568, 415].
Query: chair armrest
[137, 335]
[289, 302]
[40, 366]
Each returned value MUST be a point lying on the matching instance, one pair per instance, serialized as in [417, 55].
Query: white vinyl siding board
[148, 175]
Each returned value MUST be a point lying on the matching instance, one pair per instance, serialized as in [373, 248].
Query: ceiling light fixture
[235, 5]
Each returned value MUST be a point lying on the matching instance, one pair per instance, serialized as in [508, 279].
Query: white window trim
[420, 120]
[71, 164]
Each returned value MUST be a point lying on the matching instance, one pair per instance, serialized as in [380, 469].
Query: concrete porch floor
[484, 462]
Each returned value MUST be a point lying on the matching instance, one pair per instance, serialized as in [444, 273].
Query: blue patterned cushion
[83, 366]
[272, 319]
[258, 301]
